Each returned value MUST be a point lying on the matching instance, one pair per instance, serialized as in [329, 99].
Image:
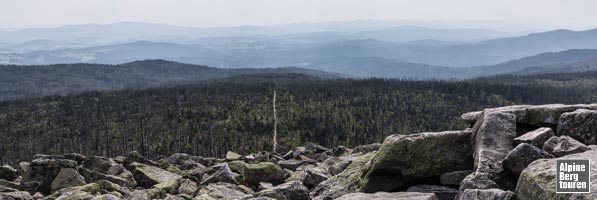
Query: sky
[18, 14]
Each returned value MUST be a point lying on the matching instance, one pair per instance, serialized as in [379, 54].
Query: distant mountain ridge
[33, 81]
[288, 50]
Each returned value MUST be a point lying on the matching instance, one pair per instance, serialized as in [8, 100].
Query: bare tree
[275, 123]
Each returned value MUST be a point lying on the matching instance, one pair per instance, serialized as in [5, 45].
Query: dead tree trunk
[275, 123]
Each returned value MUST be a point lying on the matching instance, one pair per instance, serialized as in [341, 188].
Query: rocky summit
[507, 153]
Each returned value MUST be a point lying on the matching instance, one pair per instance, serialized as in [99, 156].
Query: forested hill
[235, 113]
[41, 80]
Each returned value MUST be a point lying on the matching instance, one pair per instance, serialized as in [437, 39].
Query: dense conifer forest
[235, 113]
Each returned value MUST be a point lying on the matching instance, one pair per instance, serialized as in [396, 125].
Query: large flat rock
[404, 159]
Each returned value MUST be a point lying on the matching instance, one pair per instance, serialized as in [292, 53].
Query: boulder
[135, 156]
[79, 192]
[338, 151]
[344, 182]
[187, 186]
[146, 194]
[223, 174]
[291, 164]
[67, 177]
[7, 185]
[471, 117]
[404, 159]
[8, 173]
[237, 166]
[580, 125]
[261, 198]
[307, 160]
[106, 197]
[538, 180]
[366, 148]
[264, 186]
[111, 187]
[536, 138]
[44, 171]
[230, 156]
[523, 155]
[389, 196]
[313, 176]
[317, 148]
[147, 176]
[454, 178]
[488, 194]
[563, 145]
[294, 176]
[441, 192]
[282, 149]
[220, 191]
[177, 159]
[103, 165]
[30, 186]
[541, 115]
[93, 176]
[263, 172]
[492, 137]
[205, 161]
[18, 195]
[298, 151]
[294, 190]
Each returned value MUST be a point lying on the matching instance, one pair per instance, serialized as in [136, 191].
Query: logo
[573, 176]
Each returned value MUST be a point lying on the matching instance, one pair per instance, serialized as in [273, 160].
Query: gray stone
[523, 155]
[344, 182]
[263, 172]
[294, 190]
[471, 117]
[93, 176]
[580, 125]
[177, 159]
[492, 137]
[106, 197]
[44, 171]
[224, 191]
[338, 151]
[549, 114]
[187, 186]
[454, 178]
[366, 148]
[8, 173]
[389, 196]
[19, 195]
[536, 138]
[264, 186]
[223, 174]
[563, 145]
[230, 156]
[404, 159]
[67, 177]
[317, 148]
[488, 194]
[291, 164]
[313, 176]
[441, 192]
[537, 181]
[148, 176]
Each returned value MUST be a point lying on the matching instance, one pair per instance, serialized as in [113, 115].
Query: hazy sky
[15, 14]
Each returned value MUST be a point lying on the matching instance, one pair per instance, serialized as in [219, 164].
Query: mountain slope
[33, 81]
